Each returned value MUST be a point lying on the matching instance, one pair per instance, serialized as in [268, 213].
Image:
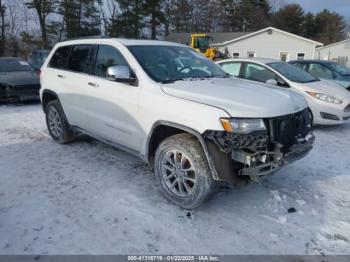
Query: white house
[339, 52]
[270, 43]
[266, 43]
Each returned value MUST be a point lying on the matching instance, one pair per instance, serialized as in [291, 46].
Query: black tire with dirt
[57, 124]
[182, 170]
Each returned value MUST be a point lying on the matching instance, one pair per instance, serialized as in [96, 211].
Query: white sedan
[329, 103]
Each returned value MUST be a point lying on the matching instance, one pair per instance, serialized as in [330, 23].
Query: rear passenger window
[232, 69]
[107, 56]
[258, 73]
[59, 58]
[81, 58]
[301, 66]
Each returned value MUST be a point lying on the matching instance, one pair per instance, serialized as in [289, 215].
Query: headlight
[242, 126]
[326, 98]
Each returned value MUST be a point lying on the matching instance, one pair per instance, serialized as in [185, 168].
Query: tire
[57, 124]
[311, 117]
[182, 170]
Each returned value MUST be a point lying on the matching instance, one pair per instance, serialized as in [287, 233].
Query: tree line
[28, 24]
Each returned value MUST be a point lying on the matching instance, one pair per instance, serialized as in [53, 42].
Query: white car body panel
[126, 114]
[238, 97]
[316, 106]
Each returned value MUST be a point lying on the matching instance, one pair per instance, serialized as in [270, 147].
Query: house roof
[264, 30]
[334, 44]
[218, 38]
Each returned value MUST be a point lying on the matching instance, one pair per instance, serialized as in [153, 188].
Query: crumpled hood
[19, 78]
[240, 98]
[328, 88]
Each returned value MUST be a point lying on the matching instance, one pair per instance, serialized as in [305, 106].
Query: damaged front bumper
[263, 163]
[260, 153]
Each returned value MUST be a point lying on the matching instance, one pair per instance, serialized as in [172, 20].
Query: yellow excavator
[201, 43]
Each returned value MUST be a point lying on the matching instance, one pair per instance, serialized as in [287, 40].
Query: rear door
[74, 98]
[113, 106]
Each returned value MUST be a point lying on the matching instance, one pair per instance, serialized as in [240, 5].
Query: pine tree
[309, 26]
[80, 17]
[153, 9]
[330, 27]
[290, 18]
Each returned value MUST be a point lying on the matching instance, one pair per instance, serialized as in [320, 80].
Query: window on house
[284, 56]
[251, 55]
[300, 56]
[235, 55]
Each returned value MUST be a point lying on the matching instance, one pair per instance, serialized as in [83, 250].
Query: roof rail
[88, 37]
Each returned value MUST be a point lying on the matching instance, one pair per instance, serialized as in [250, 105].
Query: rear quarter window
[60, 57]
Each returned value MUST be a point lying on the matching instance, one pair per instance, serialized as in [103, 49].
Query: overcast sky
[340, 6]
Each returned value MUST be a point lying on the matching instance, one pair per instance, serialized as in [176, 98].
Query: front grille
[285, 130]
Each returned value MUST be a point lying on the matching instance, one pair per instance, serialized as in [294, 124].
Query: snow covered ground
[89, 198]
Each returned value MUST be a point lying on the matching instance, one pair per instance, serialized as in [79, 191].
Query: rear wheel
[182, 170]
[57, 124]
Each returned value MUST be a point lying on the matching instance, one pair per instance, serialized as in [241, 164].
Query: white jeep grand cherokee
[174, 108]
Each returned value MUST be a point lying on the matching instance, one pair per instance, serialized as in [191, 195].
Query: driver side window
[258, 73]
[107, 56]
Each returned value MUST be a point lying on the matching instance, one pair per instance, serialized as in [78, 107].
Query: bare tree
[2, 28]
[43, 8]
[14, 25]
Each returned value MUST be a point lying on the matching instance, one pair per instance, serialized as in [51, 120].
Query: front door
[113, 106]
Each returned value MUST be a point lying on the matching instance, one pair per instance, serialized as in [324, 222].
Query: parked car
[194, 123]
[37, 58]
[328, 70]
[18, 79]
[329, 103]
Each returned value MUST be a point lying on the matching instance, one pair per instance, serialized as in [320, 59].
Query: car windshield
[293, 73]
[172, 63]
[14, 65]
[341, 69]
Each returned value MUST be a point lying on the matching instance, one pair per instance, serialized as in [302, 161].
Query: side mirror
[272, 82]
[120, 73]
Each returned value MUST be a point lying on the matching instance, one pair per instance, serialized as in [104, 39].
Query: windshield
[341, 69]
[172, 63]
[14, 65]
[293, 73]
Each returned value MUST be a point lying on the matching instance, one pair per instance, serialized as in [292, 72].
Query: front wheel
[183, 172]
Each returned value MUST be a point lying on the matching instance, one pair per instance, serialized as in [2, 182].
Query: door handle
[61, 76]
[93, 84]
